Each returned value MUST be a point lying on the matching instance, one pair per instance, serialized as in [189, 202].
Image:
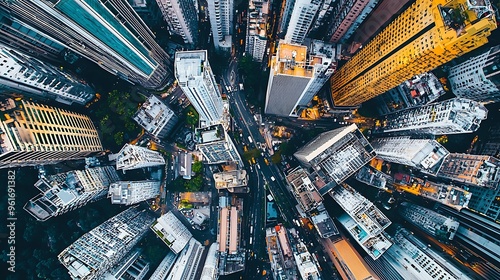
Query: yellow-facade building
[426, 35]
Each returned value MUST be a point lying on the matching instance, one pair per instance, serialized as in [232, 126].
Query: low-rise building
[280, 253]
[304, 190]
[216, 146]
[324, 224]
[132, 192]
[233, 180]
[232, 255]
[156, 117]
[172, 232]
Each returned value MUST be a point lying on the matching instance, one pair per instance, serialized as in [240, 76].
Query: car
[273, 179]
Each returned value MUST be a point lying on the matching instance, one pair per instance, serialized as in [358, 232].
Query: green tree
[119, 138]
[197, 167]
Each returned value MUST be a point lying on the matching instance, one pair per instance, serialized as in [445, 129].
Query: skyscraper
[432, 223]
[182, 18]
[197, 81]
[64, 192]
[172, 231]
[452, 116]
[34, 134]
[22, 37]
[134, 157]
[132, 192]
[346, 17]
[424, 154]
[221, 20]
[297, 74]
[22, 74]
[475, 170]
[362, 216]
[302, 16]
[478, 77]
[426, 35]
[256, 38]
[335, 155]
[97, 251]
[108, 33]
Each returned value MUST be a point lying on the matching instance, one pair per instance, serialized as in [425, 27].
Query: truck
[250, 139]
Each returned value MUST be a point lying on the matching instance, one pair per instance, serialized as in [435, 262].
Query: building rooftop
[172, 231]
[231, 179]
[433, 223]
[154, 115]
[374, 178]
[482, 171]
[210, 134]
[421, 261]
[189, 64]
[131, 192]
[374, 245]
[353, 263]
[305, 263]
[361, 210]
[456, 115]
[324, 225]
[164, 267]
[292, 60]
[304, 190]
[133, 157]
[188, 261]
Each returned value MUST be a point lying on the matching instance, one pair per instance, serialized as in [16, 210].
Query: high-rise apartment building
[221, 13]
[34, 134]
[452, 116]
[216, 146]
[134, 157]
[426, 35]
[197, 81]
[335, 155]
[97, 251]
[18, 35]
[182, 18]
[132, 192]
[22, 74]
[256, 38]
[424, 154]
[475, 170]
[478, 234]
[131, 267]
[156, 117]
[188, 262]
[478, 77]
[161, 272]
[302, 16]
[108, 33]
[420, 261]
[363, 216]
[485, 201]
[297, 73]
[432, 223]
[148, 11]
[346, 17]
[172, 231]
[64, 192]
